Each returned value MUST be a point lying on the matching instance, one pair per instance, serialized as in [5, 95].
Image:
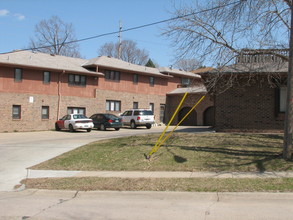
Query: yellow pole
[172, 118]
[163, 141]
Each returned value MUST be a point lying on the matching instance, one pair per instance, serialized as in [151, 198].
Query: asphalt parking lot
[21, 150]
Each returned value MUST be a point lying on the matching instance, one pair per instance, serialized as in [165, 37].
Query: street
[42, 204]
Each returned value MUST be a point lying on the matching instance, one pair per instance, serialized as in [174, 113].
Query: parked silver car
[138, 117]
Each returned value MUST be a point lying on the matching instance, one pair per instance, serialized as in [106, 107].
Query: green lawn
[182, 152]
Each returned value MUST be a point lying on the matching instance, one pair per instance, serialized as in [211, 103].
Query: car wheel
[57, 127]
[117, 129]
[148, 126]
[71, 128]
[102, 127]
[88, 130]
[133, 125]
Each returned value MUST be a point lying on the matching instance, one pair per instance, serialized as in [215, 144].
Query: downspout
[59, 94]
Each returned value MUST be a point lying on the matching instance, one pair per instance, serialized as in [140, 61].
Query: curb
[153, 174]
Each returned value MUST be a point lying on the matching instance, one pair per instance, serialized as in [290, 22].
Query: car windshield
[143, 112]
[79, 116]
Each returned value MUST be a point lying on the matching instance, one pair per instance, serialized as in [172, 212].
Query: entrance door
[209, 116]
[190, 120]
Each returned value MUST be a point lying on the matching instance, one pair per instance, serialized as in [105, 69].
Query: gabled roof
[45, 61]
[113, 63]
[49, 62]
[177, 72]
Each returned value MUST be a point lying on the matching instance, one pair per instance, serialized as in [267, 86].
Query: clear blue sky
[90, 18]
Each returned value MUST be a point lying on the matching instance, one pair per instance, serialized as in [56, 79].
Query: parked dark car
[104, 121]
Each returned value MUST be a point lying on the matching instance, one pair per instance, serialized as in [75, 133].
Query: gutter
[59, 93]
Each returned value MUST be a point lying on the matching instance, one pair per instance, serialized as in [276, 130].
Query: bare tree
[218, 30]
[129, 52]
[188, 64]
[53, 36]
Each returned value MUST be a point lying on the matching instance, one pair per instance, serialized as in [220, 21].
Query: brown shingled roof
[45, 61]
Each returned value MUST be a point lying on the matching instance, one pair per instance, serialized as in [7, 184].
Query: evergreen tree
[150, 64]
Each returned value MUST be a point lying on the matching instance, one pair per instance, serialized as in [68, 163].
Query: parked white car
[138, 117]
[73, 122]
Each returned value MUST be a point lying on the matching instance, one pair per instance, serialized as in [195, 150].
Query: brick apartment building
[251, 94]
[36, 89]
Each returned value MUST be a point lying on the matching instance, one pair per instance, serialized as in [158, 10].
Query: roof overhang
[89, 73]
[191, 90]
[177, 72]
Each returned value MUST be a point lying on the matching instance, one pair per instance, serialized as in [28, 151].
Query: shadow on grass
[232, 154]
[228, 151]
[178, 159]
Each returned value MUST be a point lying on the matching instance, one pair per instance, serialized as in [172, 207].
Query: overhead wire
[133, 28]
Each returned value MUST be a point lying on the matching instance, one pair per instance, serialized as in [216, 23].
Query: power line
[135, 28]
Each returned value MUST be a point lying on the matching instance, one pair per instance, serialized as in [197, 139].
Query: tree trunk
[287, 151]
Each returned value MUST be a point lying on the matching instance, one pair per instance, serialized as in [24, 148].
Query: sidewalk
[154, 174]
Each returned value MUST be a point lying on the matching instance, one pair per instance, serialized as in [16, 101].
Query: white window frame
[45, 112]
[113, 105]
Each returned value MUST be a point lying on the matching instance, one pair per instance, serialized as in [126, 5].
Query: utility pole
[287, 148]
[119, 40]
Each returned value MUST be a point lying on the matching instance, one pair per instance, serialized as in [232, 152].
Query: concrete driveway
[22, 150]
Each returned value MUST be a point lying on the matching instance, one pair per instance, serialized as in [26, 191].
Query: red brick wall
[161, 87]
[32, 83]
[248, 108]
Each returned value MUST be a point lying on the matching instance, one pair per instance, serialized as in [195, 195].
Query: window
[142, 112]
[282, 99]
[112, 105]
[185, 81]
[135, 105]
[152, 81]
[112, 75]
[16, 112]
[17, 75]
[45, 112]
[76, 110]
[135, 79]
[152, 107]
[127, 113]
[76, 80]
[162, 112]
[47, 77]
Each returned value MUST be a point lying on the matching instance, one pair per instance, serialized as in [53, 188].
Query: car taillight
[138, 118]
[110, 121]
[85, 121]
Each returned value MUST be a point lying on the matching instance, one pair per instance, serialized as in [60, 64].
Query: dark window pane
[17, 75]
[16, 111]
[47, 77]
[45, 112]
